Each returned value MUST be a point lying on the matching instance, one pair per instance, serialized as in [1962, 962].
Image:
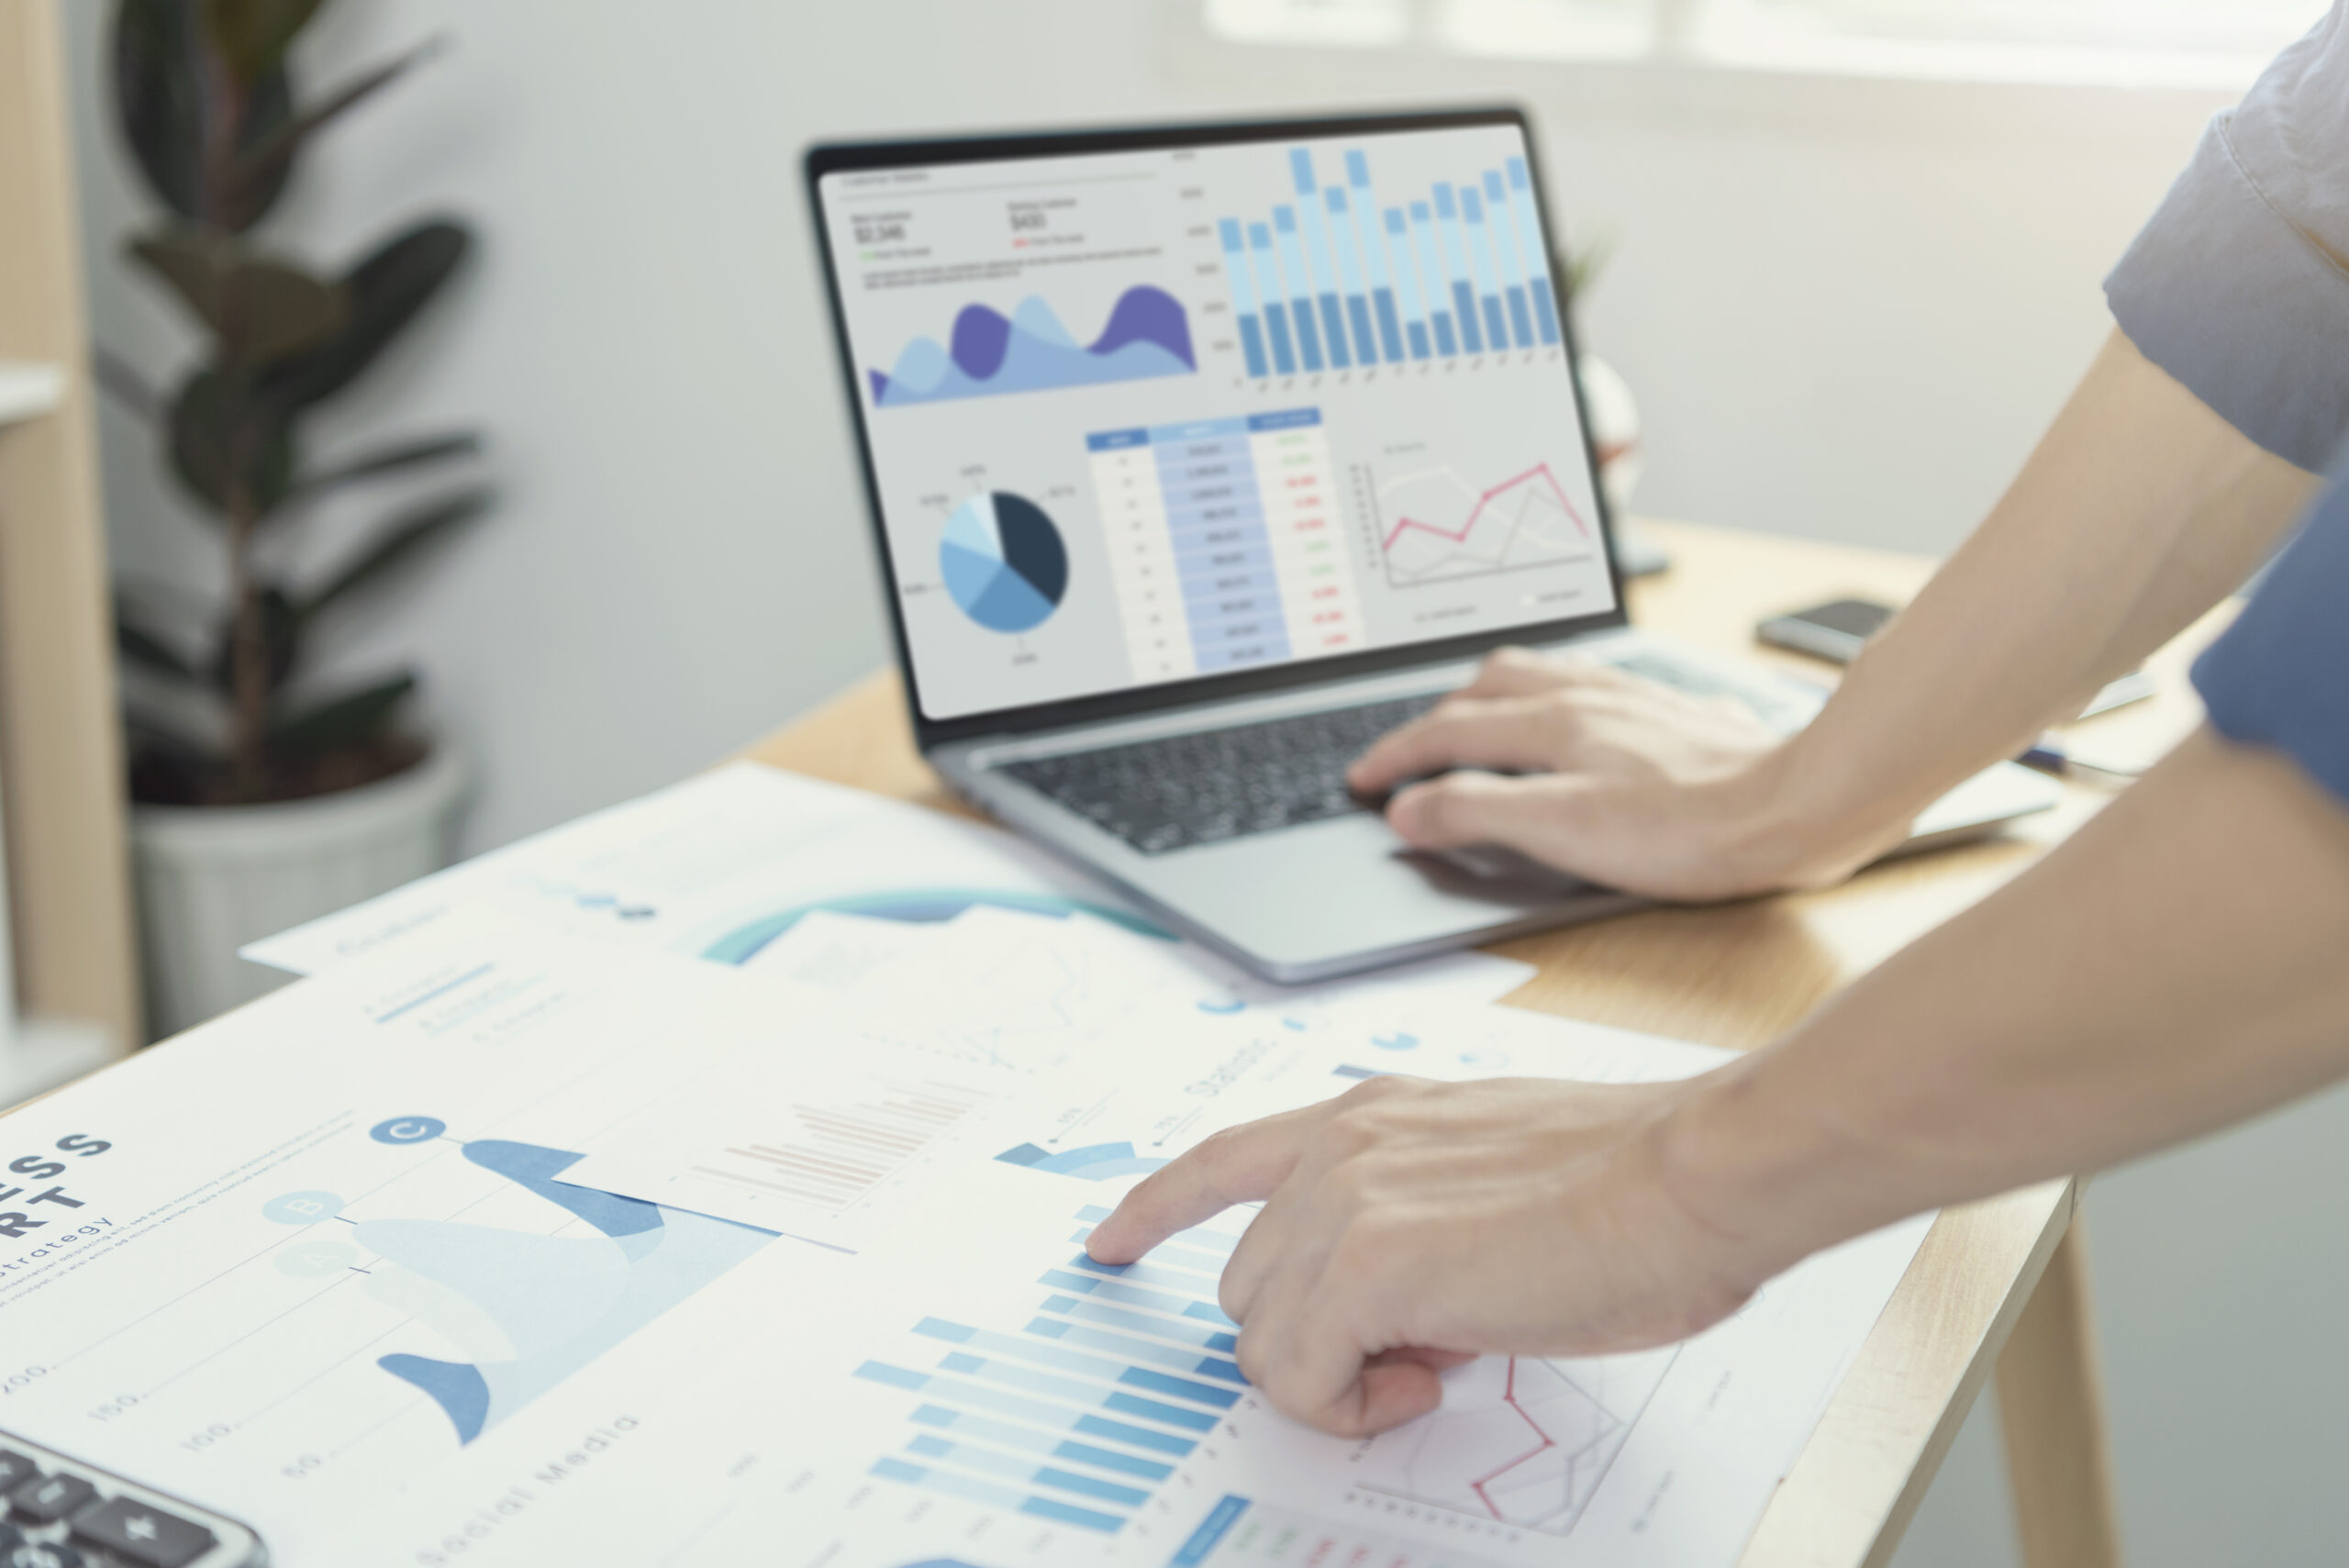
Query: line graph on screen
[1436, 526]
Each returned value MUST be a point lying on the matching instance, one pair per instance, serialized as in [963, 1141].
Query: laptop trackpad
[1491, 872]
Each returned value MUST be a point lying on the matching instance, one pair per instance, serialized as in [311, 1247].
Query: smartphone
[1832, 631]
[1836, 629]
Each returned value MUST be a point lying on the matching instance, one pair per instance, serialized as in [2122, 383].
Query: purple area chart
[989, 354]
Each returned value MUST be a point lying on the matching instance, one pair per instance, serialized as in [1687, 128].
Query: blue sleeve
[2239, 286]
[2279, 676]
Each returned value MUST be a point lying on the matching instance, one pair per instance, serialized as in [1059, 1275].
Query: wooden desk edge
[1851, 1494]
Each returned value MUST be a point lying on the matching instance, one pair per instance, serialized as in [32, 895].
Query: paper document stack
[709, 1180]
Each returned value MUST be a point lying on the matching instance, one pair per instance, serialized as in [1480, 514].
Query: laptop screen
[1144, 416]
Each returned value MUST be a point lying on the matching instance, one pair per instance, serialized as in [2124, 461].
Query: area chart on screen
[989, 354]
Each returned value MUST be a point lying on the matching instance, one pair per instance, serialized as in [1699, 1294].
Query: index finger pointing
[1239, 1164]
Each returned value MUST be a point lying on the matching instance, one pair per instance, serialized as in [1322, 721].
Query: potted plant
[261, 800]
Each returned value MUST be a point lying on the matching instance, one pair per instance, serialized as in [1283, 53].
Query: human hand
[1625, 781]
[1412, 1226]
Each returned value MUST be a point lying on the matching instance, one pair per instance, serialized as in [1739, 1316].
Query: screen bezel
[1067, 712]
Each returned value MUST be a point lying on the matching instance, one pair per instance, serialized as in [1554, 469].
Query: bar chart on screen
[1341, 277]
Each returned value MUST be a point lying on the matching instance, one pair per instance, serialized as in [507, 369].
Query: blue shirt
[2239, 288]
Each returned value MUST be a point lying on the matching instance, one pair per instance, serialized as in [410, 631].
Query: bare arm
[2175, 966]
[2139, 509]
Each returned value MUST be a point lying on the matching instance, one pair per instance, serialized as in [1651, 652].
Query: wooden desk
[2002, 1274]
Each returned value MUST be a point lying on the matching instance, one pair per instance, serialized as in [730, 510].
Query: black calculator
[57, 1512]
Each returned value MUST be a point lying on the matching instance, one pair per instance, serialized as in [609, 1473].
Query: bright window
[2189, 42]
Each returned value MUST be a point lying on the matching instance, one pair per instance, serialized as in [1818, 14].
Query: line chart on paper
[1519, 1441]
[1436, 526]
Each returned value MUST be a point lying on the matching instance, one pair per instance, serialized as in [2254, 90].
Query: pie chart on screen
[1003, 562]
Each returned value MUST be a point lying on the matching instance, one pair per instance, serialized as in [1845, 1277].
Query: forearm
[2138, 510]
[2176, 966]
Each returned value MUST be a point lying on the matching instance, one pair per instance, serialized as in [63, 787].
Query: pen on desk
[2049, 754]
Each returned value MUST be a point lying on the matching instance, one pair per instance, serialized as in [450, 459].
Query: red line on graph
[1508, 1397]
[1540, 470]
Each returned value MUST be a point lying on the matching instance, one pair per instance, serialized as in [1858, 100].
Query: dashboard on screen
[1143, 416]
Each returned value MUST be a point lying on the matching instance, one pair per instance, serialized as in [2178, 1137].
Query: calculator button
[15, 1469]
[40, 1554]
[142, 1535]
[52, 1498]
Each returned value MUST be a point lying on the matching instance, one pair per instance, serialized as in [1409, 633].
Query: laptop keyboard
[1159, 796]
[57, 1512]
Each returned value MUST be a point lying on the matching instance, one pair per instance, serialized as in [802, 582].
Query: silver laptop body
[1171, 434]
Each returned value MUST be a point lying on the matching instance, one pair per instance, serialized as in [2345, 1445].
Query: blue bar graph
[1244, 296]
[987, 1462]
[1325, 273]
[1374, 250]
[1044, 1352]
[1141, 1350]
[1079, 1414]
[1456, 267]
[1117, 1317]
[977, 1491]
[1036, 1410]
[1480, 263]
[1300, 304]
[1266, 273]
[1351, 270]
[1010, 1435]
[1537, 261]
[1464, 270]
[1504, 237]
[1431, 269]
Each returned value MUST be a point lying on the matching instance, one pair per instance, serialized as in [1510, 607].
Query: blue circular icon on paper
[408, 1130]
[301, 1208]
[1396, 1041]
[309, 1260]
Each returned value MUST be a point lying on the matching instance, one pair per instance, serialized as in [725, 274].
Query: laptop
[1200, 456]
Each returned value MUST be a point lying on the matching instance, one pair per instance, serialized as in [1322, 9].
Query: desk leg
[2051, 1405]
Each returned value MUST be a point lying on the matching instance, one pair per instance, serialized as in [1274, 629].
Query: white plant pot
[213, 878]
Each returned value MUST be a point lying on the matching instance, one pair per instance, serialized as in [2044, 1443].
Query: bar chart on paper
[813, 1156]
[1081, 1412]
[1341, 277]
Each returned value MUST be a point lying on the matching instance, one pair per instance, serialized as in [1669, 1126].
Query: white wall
[1847, 309]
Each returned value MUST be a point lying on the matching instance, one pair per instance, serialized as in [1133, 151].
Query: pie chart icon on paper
[1004, 561]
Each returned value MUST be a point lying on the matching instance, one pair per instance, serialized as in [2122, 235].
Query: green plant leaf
[266, 159]
[224, 435]
[146, 650]
[250, 37]
[400, 541]
[162, 63]
[343, 720]
[281, 642]
[385, 293]
[260, 309]
[389, 460]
